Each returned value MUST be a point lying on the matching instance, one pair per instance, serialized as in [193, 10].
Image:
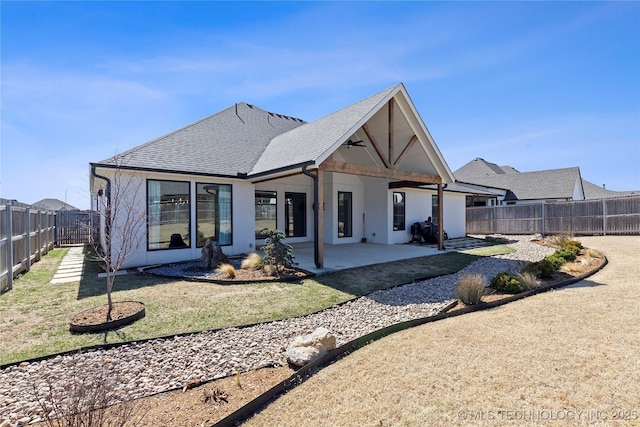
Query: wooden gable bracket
[376, 147]
[388, 161]
[405, 150]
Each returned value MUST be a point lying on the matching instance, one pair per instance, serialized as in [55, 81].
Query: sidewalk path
[71, 266]
[566, 357]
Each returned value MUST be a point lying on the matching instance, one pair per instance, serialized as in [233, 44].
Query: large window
[295, 214]
[345, 214]
[168, 213]
[266, 209]
[213, 214]
[398, 211]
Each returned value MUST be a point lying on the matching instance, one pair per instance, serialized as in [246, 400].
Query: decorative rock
[169, 362]
[212, 256]
[305, 348]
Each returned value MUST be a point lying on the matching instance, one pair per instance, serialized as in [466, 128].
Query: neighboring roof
[593, 191]
[225, 144]
[538, 185]
[478, 167]
[54, 205]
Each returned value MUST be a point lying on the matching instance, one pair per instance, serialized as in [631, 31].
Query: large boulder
[212, 256]
[305, 348]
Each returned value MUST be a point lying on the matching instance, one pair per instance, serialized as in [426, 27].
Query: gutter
[107, 190]
[316, 248]
[107, 213]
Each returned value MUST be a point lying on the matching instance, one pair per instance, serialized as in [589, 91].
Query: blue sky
[533, 85]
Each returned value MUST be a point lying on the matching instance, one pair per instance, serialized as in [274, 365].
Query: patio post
[440, 217]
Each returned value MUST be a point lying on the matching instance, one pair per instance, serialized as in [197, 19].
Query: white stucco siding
[334, 183]
[417, 209]
[376, 210]
[293, 184]
[454, 210]
[243, 218]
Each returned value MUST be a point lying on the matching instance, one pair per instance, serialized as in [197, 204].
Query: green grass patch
[35, 315]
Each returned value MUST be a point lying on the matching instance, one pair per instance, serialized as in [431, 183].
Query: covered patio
[343, 256]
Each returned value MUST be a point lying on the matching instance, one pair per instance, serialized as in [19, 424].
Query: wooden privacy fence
[76, 227]
[25, 235]
[585, 217]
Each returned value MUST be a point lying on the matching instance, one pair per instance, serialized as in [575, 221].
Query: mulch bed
[95, 319]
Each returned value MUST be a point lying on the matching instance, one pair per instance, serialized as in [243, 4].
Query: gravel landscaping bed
[163, 364]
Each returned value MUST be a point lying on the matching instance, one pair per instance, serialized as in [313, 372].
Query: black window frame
[274, 195]
[218, 220]
[187, 244]
[346, 231]
[399, 206]
[301, 228]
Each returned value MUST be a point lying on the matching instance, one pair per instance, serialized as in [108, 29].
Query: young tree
[122, 227]
[276, 252]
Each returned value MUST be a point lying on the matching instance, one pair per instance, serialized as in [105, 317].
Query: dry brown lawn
[566, 357]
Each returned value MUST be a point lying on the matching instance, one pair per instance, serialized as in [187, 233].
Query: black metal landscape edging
[108, 346]
[310, 368]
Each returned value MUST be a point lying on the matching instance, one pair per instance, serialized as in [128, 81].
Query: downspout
[107, 213]
[316, 249]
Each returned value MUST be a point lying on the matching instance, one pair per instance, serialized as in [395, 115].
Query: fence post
[39, 238]
[10, 247]
[50, 236]
[544, 204]
[495, 219]
[28, 231]
[604, 216]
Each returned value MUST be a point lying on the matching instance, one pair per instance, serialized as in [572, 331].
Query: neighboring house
[593, 191]
[229, 175]
[54, 205]
[506, 185]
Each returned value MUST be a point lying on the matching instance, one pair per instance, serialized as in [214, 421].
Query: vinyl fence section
[76, 227]
[25, 236]
[585, 217]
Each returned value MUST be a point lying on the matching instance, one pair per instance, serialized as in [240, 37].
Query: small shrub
[528, 280]
[556, 260]
[570, 268]
[572, 245]
[591, 253]
[566, 254]
[470, 288]
[269, 270]
[543, 269]
[506, 282]
[251, 262]
[88, 398]
[559, 239]
[227, 269]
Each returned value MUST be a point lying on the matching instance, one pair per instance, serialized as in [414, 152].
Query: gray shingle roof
[53, 205]
[244, 140]
[478, 167]
[538, 185]
[593, 191]
[311, 141]
[226, 143]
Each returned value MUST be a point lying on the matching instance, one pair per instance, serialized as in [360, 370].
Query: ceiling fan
[351, 143]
